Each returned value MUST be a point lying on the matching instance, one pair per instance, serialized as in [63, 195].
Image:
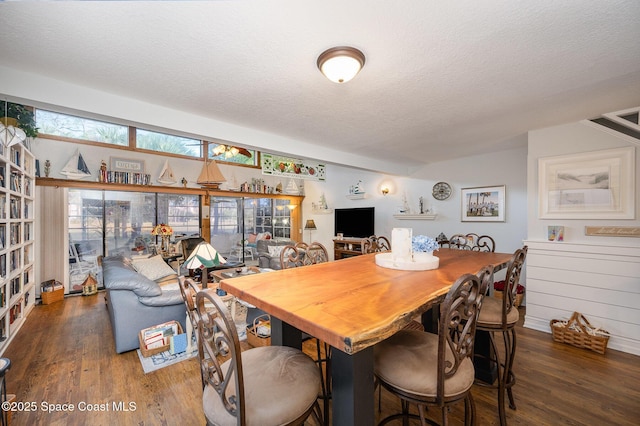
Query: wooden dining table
[352, 304]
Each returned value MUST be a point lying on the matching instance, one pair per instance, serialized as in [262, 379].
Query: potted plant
[18, 115]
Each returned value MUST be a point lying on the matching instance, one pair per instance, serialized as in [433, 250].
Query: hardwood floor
[64, 354]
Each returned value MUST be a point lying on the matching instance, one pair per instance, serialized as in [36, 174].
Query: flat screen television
[357, 222]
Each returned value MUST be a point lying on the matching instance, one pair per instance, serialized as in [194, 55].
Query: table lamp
[310, 226]
[204, 256]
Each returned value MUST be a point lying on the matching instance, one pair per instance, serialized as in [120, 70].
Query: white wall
[597, 276]
[574, 138]
[504, 168]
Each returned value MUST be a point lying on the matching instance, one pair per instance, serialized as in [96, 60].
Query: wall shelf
[360, 196]
[322, 211]
[415, 216]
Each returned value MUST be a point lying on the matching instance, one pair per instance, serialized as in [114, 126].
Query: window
[231, 154]
[182, 212]
[119, 222]
[69, 126]
[164, 142]
[76, 128]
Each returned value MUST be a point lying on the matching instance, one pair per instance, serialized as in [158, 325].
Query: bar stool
[501, 316]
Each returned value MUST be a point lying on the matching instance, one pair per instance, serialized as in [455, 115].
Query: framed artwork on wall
[591, 185]
[483, 204]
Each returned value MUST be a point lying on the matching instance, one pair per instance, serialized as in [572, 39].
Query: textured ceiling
[441, 80]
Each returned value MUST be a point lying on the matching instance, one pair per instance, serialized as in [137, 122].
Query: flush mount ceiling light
[341, 64]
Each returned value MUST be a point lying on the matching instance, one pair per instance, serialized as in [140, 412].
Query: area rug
[165, 359]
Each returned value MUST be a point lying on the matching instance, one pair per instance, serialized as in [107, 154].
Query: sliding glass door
[236, 222]
[120, 222]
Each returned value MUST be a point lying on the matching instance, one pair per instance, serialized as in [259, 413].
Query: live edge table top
[353, 303]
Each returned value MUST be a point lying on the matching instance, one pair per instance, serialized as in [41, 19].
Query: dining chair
[267, 385]
[501, 316]
[292, 255]
[302, 254]
[435, 369]
[471, 241]
[188, 290]
[375, 244]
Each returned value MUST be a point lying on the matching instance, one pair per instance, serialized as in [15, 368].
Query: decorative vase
[165, 244]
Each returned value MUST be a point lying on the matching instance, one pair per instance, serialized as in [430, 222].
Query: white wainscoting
[600, 281]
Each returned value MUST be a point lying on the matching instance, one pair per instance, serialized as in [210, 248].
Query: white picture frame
[591, 185]
[120, 164]
[483, 203]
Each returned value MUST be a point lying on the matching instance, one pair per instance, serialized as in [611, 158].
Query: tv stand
[347, 247]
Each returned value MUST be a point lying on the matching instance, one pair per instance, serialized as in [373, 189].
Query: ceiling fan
[230, 151]
[227, 150]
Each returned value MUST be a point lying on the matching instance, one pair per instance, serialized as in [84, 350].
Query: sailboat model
[76, 168]
[166, 174]
[292, 188]
[210, 176]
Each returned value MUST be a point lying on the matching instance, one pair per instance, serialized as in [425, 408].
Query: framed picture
[592, 185]
[119, 164]
[483, 204]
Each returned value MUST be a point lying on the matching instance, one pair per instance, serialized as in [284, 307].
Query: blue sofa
[136, 302]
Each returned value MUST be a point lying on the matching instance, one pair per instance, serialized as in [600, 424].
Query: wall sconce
[384, 190]
[292, 206]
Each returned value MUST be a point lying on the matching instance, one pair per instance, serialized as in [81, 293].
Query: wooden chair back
[375, 244]
[292, 256]
[303, 254]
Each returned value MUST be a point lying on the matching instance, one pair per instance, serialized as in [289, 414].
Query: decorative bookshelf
[17, 239]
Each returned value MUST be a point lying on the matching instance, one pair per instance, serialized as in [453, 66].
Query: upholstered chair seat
[435, 369]
[269, 385]
[270, 374]
[491, 313]
[417, 352]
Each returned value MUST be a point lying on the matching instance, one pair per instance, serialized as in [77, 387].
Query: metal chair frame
[506, 378]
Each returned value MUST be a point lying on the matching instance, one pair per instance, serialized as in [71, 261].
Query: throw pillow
[252, 238]
[153, 268]
[274, 251]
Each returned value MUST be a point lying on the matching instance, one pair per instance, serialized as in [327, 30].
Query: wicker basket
[149, 352]
[580, 333]
[49, 297]
[256, 339]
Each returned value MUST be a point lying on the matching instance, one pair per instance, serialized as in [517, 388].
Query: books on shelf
[128, 178]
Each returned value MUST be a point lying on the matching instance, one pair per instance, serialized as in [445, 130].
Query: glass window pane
[86, 218]
[69, 126]
[226, 225]
[163, 142]
[181, 212]
[129, 219]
